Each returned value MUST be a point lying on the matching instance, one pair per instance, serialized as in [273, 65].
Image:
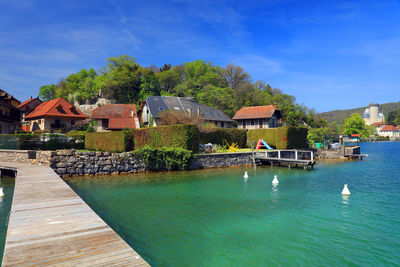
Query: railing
[290, 154]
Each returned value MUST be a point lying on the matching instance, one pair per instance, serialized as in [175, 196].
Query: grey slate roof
[157, 104]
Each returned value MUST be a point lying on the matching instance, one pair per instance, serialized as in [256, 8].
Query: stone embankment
[71, 162]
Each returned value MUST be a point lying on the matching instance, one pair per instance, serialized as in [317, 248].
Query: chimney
[198, 111]
[275, 105]
[31, 97]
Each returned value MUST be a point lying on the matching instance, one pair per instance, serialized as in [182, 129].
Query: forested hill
[340, 115]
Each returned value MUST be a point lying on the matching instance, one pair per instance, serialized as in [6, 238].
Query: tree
[47, 92]
[355, 125]
[316, 135]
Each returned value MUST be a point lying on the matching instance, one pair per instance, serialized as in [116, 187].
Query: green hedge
[165, 158]
[120, 141]
[219, 135]
[185, 136]
[280, 138]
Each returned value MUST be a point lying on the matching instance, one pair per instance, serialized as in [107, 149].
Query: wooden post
[312, 156]
[295, 153]
[289, 165]
[279, 154]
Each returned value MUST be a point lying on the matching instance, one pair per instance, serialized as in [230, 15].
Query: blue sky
[329, 54]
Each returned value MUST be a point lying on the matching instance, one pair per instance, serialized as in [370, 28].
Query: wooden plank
[50, 225]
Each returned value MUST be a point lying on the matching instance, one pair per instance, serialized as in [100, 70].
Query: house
[54, 115]
[10, 115]
[27, 107]
[390, 131]
[258, 117]
[114, 117]
[153, 105]
[378, 126]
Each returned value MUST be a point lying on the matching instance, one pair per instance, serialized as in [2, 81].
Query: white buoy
[345, 191]
[246, 175]
[275, 181]
[1, 192]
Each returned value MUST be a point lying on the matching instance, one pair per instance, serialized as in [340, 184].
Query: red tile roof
[398, 127]
[389, 128]
[114, 111]
[27, 102]
[379, 124]
[255, 112]
[56, 108]
[121, 123]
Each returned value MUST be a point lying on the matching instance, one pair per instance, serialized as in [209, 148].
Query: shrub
[220, 135]
[173, 117]
[165, 158]
[280, 138]
[185, 136]
[109, 141]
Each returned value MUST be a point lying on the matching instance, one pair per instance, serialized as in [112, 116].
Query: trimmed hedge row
[185, 136]
[280, 138]
[165, 158]
[219, 135]
[109, 141]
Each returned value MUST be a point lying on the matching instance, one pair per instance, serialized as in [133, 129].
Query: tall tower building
[372, 114]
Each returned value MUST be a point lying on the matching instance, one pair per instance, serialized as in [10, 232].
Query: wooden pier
[291, 158]
[51, 225]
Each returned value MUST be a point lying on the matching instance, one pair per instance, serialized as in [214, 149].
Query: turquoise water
[215, 218]
[5, 204]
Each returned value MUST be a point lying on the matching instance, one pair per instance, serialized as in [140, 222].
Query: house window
[252, 122]
[216, 124]
[161, 109]
[222, 124]
[72, 122]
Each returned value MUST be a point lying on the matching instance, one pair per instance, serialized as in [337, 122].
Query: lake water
[5, 204]
[216, 218]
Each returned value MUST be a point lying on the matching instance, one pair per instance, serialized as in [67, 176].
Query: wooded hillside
[340, 115]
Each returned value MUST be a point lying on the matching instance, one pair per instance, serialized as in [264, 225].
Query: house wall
[100, 126]
[222, 124]
[8, 127]
[44, 123]
[266, 123]
[391, 134]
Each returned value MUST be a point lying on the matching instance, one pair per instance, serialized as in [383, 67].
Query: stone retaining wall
[221, 160]
[71, 162]
[27, 156]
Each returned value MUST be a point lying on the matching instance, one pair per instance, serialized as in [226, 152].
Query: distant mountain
[340, 115]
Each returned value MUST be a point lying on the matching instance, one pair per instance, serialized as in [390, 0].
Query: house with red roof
[378, 126]
[258, 117]
[10, 115]
[27, 107]
[115, 117]
[54, 115]
[390, 131]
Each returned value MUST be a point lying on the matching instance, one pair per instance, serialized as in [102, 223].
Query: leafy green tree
[316, 135]
[47, 92]
[355, 125]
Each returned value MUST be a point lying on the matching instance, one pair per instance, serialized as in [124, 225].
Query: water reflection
[345, 200]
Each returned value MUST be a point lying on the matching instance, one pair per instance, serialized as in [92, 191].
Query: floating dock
[51, 225]
[291, 158]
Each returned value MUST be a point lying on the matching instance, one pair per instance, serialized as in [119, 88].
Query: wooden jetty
[50, 225]
[291, 158]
